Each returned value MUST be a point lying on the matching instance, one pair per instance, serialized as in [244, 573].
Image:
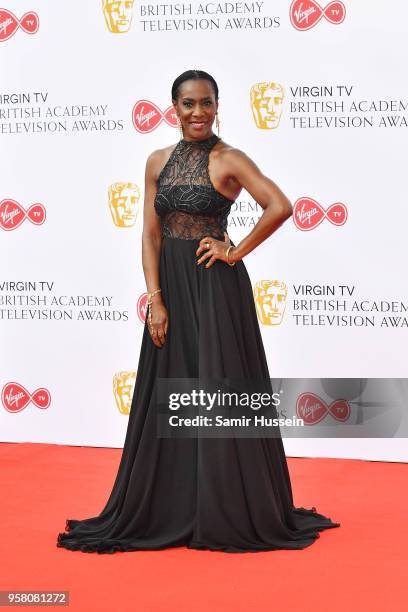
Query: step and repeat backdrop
[315, 93]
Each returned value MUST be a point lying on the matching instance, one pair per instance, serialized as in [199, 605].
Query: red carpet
[359, 566]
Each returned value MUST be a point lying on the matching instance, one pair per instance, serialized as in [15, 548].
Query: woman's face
[196, 107]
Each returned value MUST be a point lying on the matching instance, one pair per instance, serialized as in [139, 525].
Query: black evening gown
[226, 494]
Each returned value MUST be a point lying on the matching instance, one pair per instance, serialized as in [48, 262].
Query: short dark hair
[195, 75]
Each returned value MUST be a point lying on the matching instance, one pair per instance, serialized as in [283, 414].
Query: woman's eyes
[207, 102]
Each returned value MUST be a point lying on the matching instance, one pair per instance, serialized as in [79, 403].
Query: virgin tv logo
[142, 307]
[15, 397]
[147, 116]
[9, 23]
[12, 214]
[305, 14]
[312, 409]
[309, 214]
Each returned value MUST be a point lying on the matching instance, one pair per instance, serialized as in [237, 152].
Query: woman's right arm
[151, 247]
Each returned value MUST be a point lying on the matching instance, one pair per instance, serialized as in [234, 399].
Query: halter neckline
[204, 141]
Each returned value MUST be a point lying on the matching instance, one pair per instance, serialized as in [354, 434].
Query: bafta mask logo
[270, 301]
[118, 15]
[124, 203]
[309, 214]
[266, 104]
[123, 386]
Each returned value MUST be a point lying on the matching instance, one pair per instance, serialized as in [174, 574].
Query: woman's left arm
[277, 207]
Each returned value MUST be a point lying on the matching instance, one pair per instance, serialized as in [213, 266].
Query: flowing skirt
[228, 494]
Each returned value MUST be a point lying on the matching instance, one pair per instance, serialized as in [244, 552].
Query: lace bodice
[187, 202]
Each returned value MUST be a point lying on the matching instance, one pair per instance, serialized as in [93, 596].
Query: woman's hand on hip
[213, 249]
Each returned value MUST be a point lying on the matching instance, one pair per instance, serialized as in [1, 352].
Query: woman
[230, 494]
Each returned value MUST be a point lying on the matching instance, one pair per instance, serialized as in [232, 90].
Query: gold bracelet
[150, 294]
[227, 253]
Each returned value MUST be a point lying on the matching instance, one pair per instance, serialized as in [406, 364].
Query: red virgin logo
[305, 14]
[312, 409]
[12, 214]
[142, 307]
[9, 24]
[146, 116]
[308, 214]
[15, 397]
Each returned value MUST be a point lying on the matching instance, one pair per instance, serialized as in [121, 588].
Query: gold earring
[180, 127]
[217, 123]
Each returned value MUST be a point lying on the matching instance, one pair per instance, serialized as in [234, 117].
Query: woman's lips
[198, 124]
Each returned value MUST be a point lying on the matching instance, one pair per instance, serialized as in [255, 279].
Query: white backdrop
[69, 130]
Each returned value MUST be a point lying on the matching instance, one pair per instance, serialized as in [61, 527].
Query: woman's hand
[159, 321]
[217, 249]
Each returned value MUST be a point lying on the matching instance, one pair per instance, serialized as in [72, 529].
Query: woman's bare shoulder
[228, 150]
[229, 154]
[157, 159]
